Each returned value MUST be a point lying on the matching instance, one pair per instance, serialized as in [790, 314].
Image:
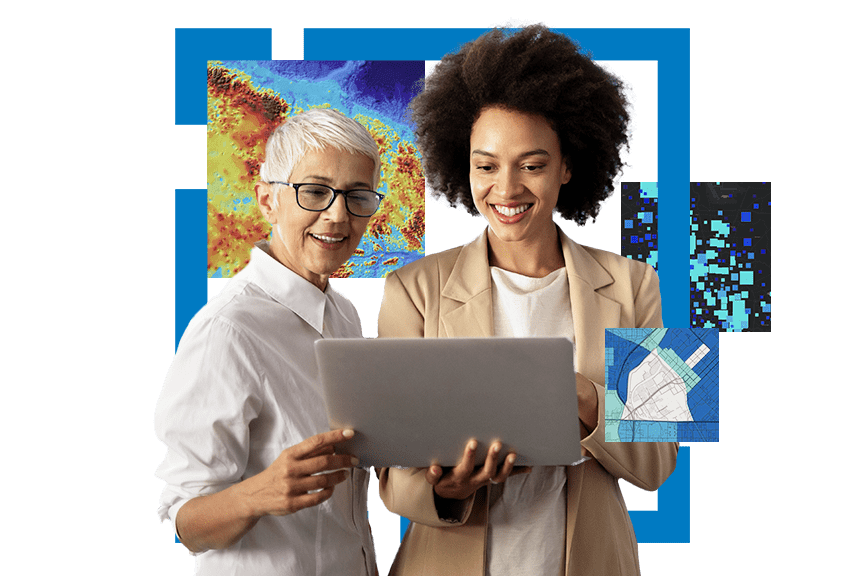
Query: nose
[338, 210]
[508, 183]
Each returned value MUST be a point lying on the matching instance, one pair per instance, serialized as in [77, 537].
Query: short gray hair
[316, 129]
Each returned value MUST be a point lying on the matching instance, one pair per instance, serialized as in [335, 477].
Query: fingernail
[496, 448]
[472, 445]
[348, 433]
[511, 459]
[355, 461]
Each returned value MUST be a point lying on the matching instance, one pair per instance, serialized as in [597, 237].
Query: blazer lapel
[466, 299]
[592, 312]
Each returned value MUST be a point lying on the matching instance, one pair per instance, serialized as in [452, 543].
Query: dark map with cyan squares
[639, 222]
[730, 256]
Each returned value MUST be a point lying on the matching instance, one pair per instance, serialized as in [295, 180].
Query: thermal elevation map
[639, 222]
[247, 100]
[662, 385]
[730, 256]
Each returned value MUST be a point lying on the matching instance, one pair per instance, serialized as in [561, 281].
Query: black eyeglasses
[319, 197]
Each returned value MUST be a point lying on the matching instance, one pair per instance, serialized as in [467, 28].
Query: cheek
[552, 195]
[303, 220]
[478, 190]
[285, 234]
[295, 225]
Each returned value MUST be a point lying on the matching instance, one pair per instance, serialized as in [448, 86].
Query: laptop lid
[417, 401]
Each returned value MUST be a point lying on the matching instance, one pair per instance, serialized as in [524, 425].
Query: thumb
[433, 474]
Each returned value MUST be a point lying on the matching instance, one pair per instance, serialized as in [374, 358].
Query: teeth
[511, 211]
[328, 239]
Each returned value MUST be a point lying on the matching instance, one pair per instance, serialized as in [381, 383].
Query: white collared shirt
[242, 388]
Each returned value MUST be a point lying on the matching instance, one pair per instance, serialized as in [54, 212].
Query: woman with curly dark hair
[514, 127]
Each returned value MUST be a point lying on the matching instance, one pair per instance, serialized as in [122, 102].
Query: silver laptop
[417, 401]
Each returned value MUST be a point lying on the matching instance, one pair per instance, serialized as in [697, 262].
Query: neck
[534, 257]
[278, 252]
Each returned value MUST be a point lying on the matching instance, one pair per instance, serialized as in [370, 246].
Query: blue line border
[193, 48]
[669, 47]
[190, 260]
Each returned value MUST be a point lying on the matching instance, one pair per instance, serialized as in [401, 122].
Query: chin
[329, 269]
[508, 232]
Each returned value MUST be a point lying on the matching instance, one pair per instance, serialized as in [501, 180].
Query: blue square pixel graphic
[730, 286]
[639, 214]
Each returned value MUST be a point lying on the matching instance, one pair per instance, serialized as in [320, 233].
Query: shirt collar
[287, 287]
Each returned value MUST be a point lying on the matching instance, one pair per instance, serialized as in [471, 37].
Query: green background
[92, 159]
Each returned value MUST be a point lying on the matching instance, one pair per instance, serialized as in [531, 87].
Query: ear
[565, 171]
[266, 195]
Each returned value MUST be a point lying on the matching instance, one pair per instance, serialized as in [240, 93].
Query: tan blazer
[450, 295]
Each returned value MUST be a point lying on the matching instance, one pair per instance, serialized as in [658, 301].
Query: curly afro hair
[534, 71]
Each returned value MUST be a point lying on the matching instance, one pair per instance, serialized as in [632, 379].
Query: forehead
[505, 130]
[333, 165]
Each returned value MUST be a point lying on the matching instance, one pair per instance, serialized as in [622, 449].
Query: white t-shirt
[527, 513]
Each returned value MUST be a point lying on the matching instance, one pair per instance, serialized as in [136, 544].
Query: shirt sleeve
[210, 396]
[643, 464]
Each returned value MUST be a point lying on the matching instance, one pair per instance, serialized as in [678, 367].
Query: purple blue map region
[730, 256]
[639, 222]
[385, 86]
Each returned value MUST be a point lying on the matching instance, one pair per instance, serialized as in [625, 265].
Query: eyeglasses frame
[333, 199]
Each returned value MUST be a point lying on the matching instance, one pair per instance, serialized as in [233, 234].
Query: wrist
[587, 395]
[245, 501]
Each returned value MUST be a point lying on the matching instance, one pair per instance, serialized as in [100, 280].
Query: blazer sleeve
[405, 491]
[643, 464]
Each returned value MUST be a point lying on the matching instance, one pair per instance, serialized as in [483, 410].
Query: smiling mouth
[328, 239]
[511, 210]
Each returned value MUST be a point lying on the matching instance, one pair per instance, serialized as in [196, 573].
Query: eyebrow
[353, 186]
[537, 152]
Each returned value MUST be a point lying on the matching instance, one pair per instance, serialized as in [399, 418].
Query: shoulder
[438, 267]
[234, 316]
[433, 269]
[620, 269]
[412, 295]
[218, 357]
[631, 283]
[432, 263]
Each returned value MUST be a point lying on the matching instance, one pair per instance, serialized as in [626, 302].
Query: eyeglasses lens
[360, 202]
